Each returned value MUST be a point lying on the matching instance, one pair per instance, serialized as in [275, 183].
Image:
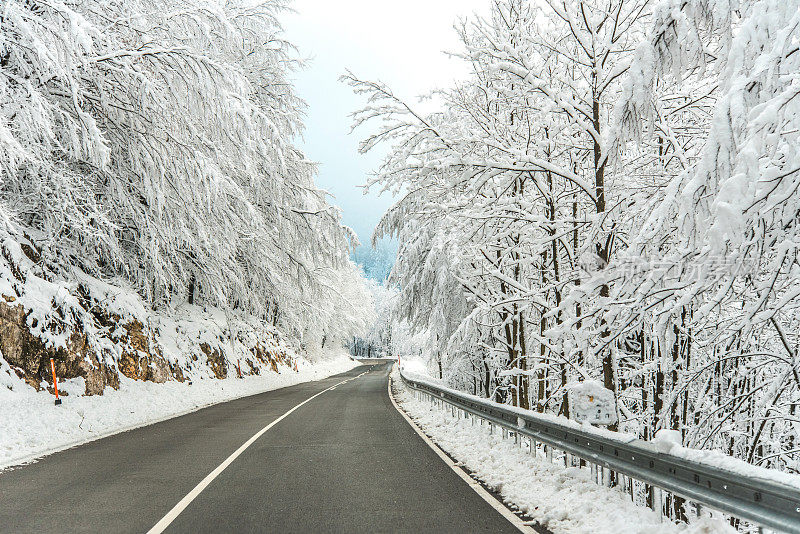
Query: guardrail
[764, 503]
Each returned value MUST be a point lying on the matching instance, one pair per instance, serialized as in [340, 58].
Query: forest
[155, 149]
[610, 195]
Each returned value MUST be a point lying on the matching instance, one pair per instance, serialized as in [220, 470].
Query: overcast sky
[399, 43]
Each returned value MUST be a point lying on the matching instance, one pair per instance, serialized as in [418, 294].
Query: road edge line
[176, 510]
[471, 482]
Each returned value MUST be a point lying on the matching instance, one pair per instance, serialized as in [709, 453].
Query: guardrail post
[549, 450]
[658, 502]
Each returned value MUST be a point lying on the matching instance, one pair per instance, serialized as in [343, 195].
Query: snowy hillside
[122, 364]
[158, 225]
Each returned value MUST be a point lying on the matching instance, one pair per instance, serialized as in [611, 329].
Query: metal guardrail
[762, 502]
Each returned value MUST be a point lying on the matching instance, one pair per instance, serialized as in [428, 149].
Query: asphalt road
[346, 461]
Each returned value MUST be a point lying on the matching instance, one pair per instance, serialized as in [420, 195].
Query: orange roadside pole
[239, 368]
[55, 380]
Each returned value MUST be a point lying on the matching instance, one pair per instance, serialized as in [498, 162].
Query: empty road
[345, 461]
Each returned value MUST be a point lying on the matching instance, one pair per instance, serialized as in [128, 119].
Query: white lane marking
[476, 486]
[192, 495]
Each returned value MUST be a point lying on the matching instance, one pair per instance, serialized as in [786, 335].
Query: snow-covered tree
[612, 194]
[153, 141]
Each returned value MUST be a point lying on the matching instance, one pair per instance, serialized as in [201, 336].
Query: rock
[28, 353]
[133, 365]
[95, 381]
[18, 346]
[254, 369]
[216, 360]
[177, 372]
[140, 357]
[61, 393]
[266, 357]
[160, 370]
[143, 360]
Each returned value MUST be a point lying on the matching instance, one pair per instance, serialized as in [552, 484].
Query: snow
[46, 428]
[666, 440]
[564, 500]
[736, 466]
[414, 366]
[590, 402]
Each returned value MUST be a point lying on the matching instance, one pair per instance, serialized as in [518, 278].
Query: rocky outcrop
[216, 360]
[30, 357]
[90, 330]
[129, 348]
[141, 359]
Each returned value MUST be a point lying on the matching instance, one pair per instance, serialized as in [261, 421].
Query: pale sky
[399, 43]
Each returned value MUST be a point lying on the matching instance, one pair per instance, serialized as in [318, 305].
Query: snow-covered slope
[119, 362]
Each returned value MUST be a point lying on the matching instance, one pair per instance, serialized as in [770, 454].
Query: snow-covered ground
[31, 426]
[564, 500]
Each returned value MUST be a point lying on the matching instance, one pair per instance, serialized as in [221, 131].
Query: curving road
[345, 461]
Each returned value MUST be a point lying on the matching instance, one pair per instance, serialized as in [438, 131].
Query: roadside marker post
[239, 368]
[55, 380]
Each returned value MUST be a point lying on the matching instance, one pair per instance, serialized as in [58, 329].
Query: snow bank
[564, 500]
[31, 426]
